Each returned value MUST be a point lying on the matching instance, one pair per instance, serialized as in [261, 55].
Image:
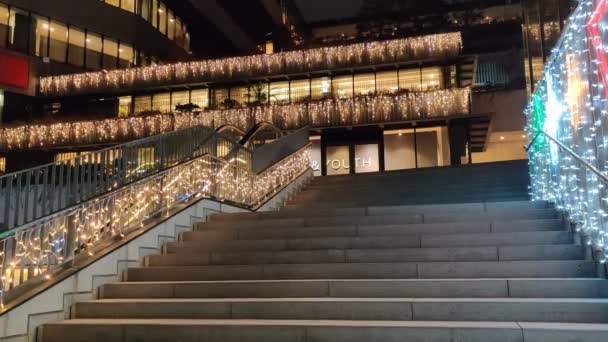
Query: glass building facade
[37, 35]
[159, 16]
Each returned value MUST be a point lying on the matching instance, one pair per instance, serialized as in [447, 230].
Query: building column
[457, 131]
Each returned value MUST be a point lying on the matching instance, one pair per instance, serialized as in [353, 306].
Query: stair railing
[33, 253]
[561, 176]
[40, 191]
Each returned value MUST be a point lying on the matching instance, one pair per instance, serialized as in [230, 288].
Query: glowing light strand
[389, 51]
[318, 114]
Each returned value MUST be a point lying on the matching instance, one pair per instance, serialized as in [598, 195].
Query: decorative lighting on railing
[380, 52]
[318, 114]
[42, 246]
[571, 105]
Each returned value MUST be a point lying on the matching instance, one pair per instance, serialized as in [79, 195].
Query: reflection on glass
[4, 28]
[161, 102]
[320, 88]
[343, 86]
[124, 106]
[200, 97]
[110, 53]
[219, 96]
[399, 150]
[126, 55]
[142, 104]
[162, 18]
[154, 13]
[94, 47]
[365, 84]
[171, 26]
[42, 36]
[145, 9]
[239, 94]
[76, 47]
[180, 98]
[279, 92]
[59, 42]
[409, 79]
[128, 5]
[387, 82]
[300, 90]
[432, 78]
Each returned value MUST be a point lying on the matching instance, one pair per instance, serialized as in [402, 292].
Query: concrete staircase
[452, 254]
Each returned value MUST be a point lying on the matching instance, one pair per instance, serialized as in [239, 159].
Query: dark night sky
[318, 10]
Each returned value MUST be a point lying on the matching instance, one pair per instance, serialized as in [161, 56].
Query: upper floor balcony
[389, 52]
[328, 113]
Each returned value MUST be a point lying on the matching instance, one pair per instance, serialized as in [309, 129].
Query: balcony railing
[348, 56]
[38, 192]
[328, 113]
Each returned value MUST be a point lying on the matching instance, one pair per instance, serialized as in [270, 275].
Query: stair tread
[353, 299]
[338, 323]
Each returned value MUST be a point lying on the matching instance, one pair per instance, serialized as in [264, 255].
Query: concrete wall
[506, 108]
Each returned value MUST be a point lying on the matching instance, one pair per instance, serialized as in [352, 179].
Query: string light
[570, 105]
[323, 113]
[37, 248]
[380, 52]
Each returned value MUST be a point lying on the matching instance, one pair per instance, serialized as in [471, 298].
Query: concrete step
[550, 252]
[513, 208]
[404, 218]
[317, 331]
[347, 202]
[422, 270]
[399, 288]
[377, 309]
[374, 242]
[238, 232]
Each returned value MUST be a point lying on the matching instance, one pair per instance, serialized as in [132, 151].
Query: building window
[171, 26]
[59, 42]
[432, 78]
[41, 43]
[142, 104]
[76, 47]
[19, 31]
[154, 14]
[240, 95]
[128, 5]
[343, 86]
[144, 11]
[219, 96]
[94, 47]
[279, 92]
[161, 103]
[180, 98]
[162, 18]
[66, 156]
[387, 82]
[124, 106]
[2, 164]
[113, 2]
[365, 84]
[200, 97]
[300, 90]
[409, 79]
[179, 33]
[320, 88]
[126, 55]
[4, 28]
[110, 53]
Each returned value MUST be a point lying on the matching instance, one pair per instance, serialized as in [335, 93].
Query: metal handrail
[40, 191]
[31, 253]
[591, 168]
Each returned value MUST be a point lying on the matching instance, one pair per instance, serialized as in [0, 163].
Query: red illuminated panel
[14, 71]
[597, 41]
